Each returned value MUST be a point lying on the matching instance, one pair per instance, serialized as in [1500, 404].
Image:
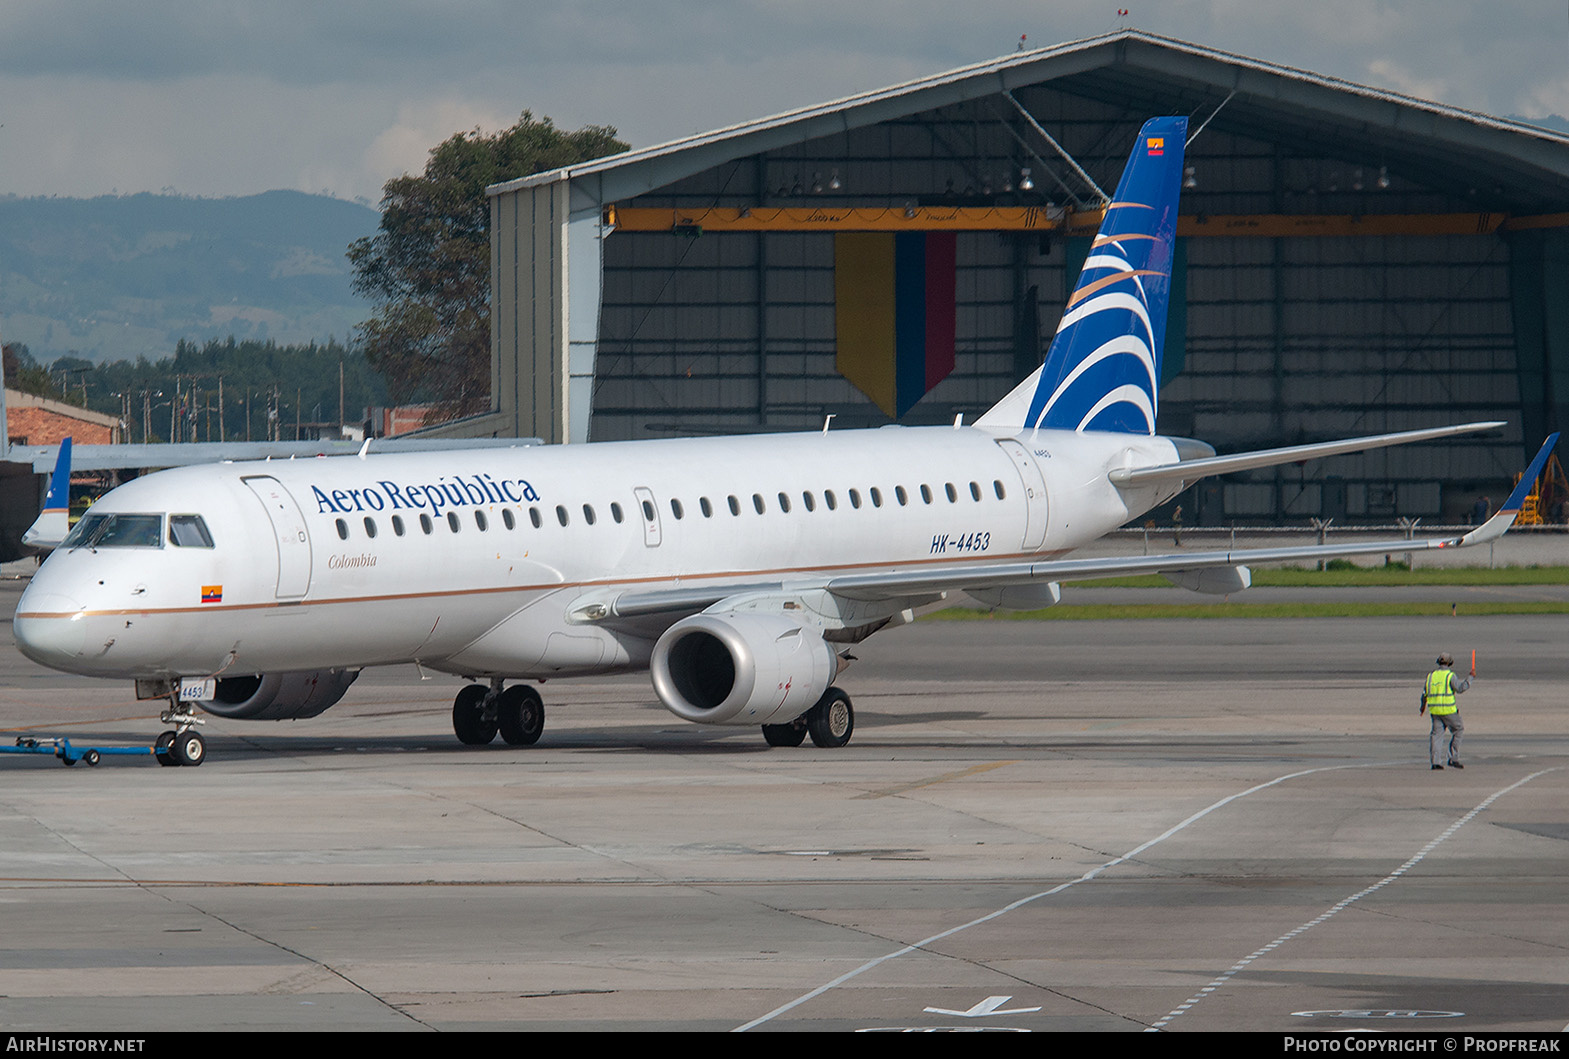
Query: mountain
[119, 277]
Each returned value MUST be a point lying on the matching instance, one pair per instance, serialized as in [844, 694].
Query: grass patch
[1296, 577]
[1123, 612]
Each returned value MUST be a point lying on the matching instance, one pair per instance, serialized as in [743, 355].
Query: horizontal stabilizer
[1193, 470]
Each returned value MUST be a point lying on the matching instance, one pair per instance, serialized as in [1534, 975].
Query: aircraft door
[288, 534]
[1034, 492]
[648, 511]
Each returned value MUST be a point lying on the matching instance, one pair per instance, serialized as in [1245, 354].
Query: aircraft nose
[48, 629]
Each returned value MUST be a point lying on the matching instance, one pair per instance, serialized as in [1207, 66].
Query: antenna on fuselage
[828, 420]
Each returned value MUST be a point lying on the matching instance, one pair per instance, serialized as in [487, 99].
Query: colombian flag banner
[894, 313]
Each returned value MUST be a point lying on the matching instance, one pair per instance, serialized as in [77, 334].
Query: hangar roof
[1519, 167]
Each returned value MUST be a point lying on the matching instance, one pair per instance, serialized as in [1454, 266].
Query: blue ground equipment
[61, 747]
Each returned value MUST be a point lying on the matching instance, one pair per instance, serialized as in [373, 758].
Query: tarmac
[1192, 826]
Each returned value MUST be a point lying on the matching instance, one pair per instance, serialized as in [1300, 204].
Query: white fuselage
[478, 562]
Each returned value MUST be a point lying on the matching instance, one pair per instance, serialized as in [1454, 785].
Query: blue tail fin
[54, 522]
[1102, 371]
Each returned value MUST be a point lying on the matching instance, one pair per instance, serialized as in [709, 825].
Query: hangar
[1351, 261]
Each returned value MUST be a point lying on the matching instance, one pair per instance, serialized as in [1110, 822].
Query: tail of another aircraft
[1102, 371]
[54, 522]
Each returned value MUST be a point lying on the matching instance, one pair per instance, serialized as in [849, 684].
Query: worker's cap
[1446, 659]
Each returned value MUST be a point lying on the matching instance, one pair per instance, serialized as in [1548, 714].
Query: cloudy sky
[232, 97]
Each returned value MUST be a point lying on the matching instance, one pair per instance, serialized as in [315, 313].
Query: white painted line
[992, 1005]
[1086, 877]
[1242, 964]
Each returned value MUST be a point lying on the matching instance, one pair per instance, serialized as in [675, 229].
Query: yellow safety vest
[1439, 695]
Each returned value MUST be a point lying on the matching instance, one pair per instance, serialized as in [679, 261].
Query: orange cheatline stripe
[544, 586]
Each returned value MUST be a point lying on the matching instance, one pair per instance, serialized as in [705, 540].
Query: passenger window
[615, 511]
[953, 494]
[397, 525]
[648, 511]
[508, 519]
[806, 498]
[997, 488]
[189, 531]
[708, 509]
[735, 505]
[926, 493]
[757, 502]
[561, 514]
[901, 495]
[452, 521]
[829, 499]
[784, 503]
[975, 492]
[426, 524]
[343, 529]
[855, 498]
[533, 516]
[676, 509]
[370, 526]
[588, 514]
[877, 496]
[481, 521]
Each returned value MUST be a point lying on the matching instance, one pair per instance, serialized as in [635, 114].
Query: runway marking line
[1242, 964]
[1005, 909]
[976, 770]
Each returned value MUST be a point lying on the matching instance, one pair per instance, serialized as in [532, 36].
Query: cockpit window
[116, 531]
[189, 531]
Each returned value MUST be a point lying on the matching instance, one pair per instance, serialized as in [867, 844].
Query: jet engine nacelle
[741, 669]
[280, 696]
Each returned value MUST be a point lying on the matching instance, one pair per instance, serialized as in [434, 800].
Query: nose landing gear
[182, 744]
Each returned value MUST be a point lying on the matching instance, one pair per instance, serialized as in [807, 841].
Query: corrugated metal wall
[1287, 339]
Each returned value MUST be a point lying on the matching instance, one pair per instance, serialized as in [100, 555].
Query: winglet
[1495, 527]
[54, 522]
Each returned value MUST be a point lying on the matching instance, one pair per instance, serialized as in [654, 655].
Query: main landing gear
[182, 744]
[478, 713]
[829, 723]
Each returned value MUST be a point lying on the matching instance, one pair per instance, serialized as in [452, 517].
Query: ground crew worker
[1438, 702]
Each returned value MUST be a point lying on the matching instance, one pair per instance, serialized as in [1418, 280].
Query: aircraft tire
[163, 749]
[522, 715]
[784, 734]
[190, 748]
[468, 717]
[832, 720]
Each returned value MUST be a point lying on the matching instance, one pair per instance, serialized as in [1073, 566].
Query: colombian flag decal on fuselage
[212, 593]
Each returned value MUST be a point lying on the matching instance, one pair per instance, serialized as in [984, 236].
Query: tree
[24, 373]
[428, 267]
